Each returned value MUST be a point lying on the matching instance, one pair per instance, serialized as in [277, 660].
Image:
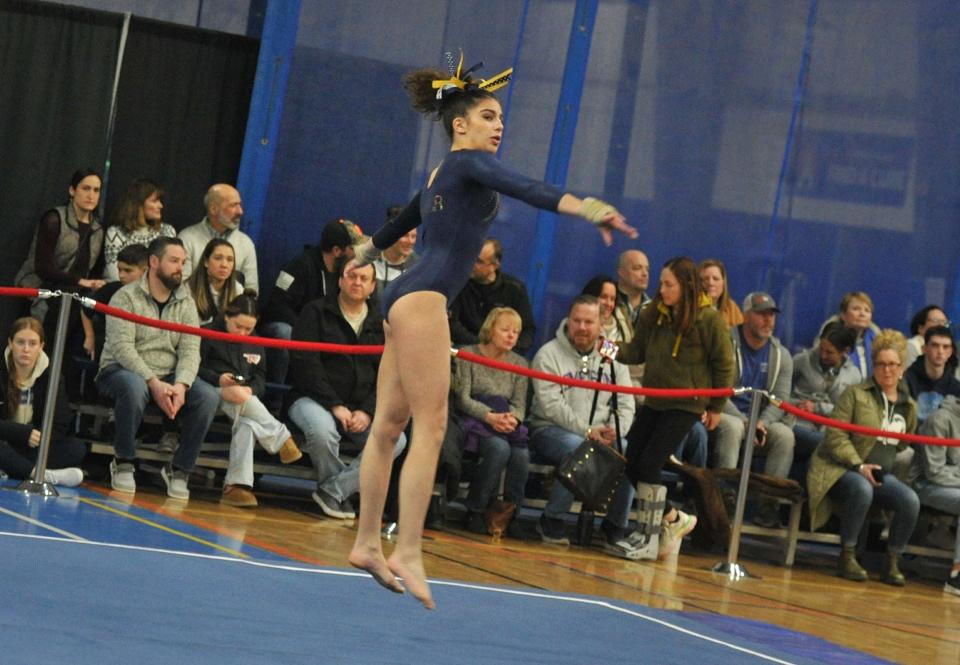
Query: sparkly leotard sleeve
[455, 212]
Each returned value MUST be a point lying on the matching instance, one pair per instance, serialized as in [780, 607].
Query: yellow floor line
[187, 536]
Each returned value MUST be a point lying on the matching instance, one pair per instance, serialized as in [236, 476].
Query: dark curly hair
[453, 104]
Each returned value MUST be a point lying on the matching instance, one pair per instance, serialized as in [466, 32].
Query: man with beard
[141, 364]
[224, 211]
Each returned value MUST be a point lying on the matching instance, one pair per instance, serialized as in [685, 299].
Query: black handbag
[592, 471]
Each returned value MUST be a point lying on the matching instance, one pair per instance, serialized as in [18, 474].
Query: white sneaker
[673, 533]
[176, 482]
[68, 477]
[121, 477]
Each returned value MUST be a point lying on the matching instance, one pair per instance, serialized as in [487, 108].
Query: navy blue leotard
[456, 211]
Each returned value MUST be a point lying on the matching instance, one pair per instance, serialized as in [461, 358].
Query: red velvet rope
[18, 292]
[359, 349]
[670, 393]
[482, 360]
[868, 431]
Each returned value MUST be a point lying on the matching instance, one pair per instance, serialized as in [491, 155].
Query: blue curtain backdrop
[696, 118]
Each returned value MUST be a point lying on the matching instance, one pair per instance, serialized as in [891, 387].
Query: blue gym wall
[695, 118]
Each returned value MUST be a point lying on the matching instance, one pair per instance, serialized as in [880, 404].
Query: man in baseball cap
[762, 363]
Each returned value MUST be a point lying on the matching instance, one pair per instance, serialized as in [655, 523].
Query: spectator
[487, 288]
[334, 395]
[491, 405]
[137, 221]
[684, 344]
[931, 315]
[930, 378]
[856, 311]
[238, 370]
[131, 266]
[304, 279]
[396, 258]
[850, 473]
[713, 280]
[24, 379]
[560, 418]
[66, 251]
[935, 474]
[633, 278]
[222, 222]
[604, 289]
[762, 363]
[141, 363]
[215, 282]
[820, 376]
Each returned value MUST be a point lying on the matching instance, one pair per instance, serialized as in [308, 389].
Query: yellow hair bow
[461, 80]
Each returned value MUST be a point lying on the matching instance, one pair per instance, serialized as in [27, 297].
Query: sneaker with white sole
[952, 585]
[169, 442]
[68, 477]
[552, 531]
[331, 507]
[673, 533]
[122, 477]
[176, 482]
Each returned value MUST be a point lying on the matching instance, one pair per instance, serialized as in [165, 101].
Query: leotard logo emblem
[437, 203]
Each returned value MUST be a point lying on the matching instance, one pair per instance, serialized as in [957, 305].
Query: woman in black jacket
[240, 372]
[24, 378]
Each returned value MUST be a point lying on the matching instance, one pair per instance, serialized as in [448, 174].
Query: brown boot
[498, 516]
[289, 453]
[848, 567]
[238, 496]
[892, 574]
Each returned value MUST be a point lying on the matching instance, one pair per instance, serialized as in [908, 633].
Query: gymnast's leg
[422, 342]
[390, 417]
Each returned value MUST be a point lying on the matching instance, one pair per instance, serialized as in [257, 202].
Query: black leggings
[652, 439]
[18, 461]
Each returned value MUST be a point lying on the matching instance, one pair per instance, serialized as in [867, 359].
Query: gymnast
[455, 208]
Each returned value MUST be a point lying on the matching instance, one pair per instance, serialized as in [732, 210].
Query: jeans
[278, 360]
[778, 449]
[551, 444]
[131, 397]
[942, 498]
[19, 461]
[322, 444]
[252, 423]
[806, 440]
[692, 449]
[853, 495]
[497, 455]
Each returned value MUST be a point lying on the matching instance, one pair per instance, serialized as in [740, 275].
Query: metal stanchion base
[33, 487]
[734, 571]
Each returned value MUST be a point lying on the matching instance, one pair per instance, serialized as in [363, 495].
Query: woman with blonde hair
[491, 405]
[713, 281]
[138, 220]
[850, 472]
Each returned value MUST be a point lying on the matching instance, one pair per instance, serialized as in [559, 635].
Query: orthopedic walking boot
[644, 542]
[891, 573]
[848, 568]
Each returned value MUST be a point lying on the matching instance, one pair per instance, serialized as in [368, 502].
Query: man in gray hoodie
[763, 363]
[141, 364]
[560, 418]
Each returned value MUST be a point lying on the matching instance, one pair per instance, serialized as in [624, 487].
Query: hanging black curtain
[182, 109]
[56, 77]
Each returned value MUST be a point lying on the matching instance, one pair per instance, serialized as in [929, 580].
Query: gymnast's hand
[601, 214]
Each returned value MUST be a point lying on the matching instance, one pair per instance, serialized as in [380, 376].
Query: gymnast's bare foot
[410, 569]
[372, 561]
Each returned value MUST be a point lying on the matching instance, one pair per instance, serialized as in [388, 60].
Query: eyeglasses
[887, 365]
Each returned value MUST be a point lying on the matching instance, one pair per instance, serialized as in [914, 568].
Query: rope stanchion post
[37, 484]
[733, 570]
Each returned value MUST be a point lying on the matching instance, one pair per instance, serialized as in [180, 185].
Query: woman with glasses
[849, 473]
